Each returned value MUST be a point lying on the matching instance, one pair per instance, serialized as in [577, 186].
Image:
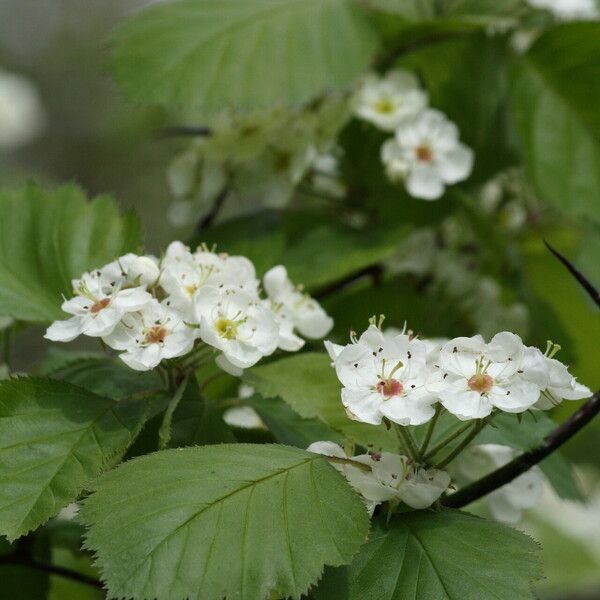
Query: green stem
[477, 427]
[407, 441]
[446, 441]
[164, 433]
[348, 461]
[425, 444]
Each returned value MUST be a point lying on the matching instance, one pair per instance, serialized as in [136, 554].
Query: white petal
[276, 282]
[327, 449]
[362, 405]
[332, 349]
[456, 164]
[223, 363]
[515, 397]
[406, 411]
[425, 182]
[132, 299]
[64, 331]
[243, 417]
[466, 405]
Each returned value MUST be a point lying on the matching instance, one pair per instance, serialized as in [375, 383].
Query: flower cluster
[401, 378]
[151, 310]
[386, 477]
[425, 151]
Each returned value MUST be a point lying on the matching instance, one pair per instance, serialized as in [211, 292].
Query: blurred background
[80, 128]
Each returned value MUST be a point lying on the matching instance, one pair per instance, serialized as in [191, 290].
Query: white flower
[98, 307]
[569, 9]
[147, 337]
[508, 502]
[385, 378]
[333, 350]
[476, 377]
[294, 309]
[426, 152]
[236, 323]
[132, 270]
[553, 378]
[386, 102]
[21, 113]
[392, 477]
[184, 273]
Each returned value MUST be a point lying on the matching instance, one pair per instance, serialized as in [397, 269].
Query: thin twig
[185, 130]
[524, 462]
[38, 565]
[463, 444]
[443, 443]
[209, 218]
[374, 271]
[583, 281]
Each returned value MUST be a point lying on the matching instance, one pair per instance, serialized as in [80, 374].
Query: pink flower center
[156, 335]
[390, 387]
[100, 305]
[481, 383]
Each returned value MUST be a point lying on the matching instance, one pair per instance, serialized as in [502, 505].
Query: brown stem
[524, 462]
[49, 568]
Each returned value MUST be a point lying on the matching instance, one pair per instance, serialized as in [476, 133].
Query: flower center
[424, 153]
[226, 328]
[100, 305]
[390, 387]
[384, 106]
[481, 383]
[156, 335]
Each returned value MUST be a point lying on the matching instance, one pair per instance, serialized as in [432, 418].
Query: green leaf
[287, 426]
[526, 435]
[218, 522]
[308, 383]
[451, 555]
[48, 238]
[198, 421]
[315, 250]
[553, 84]
[54, 439]
[104, 376]
[205, 56]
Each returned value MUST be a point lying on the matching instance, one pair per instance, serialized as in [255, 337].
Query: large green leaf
[445, 555]
[241, 54]
[308, 383]
[558, 124]
[54, 439]
[48, 238]
[219, 522]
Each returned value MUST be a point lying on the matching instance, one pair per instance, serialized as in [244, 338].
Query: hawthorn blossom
[184, 273]
[385, 378]
[553, 378]
[508, 502]
[147, 337]
[243, 417]
[427, 155]
[237, 324]
[387, 102]
[569, 10]
[475, 377]
[294, 310]
[392, 477]
[98, 307]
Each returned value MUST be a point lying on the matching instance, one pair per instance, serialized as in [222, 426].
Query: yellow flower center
[384, 106]
[226, 328]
